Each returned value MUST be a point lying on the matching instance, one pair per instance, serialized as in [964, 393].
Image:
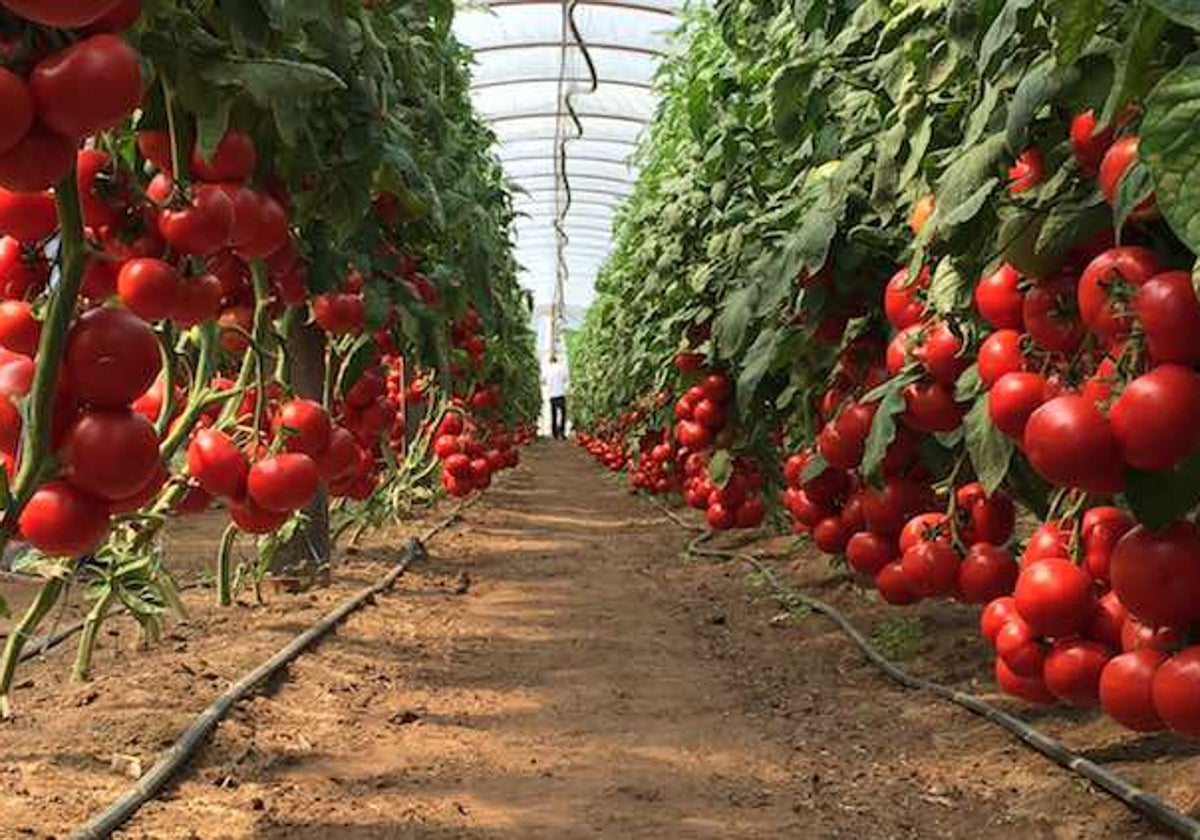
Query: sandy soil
[558, 670]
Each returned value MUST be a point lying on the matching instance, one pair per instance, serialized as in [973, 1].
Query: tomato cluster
[54, 98]
[470, 457]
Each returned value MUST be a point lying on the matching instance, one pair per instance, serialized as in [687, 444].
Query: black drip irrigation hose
[170, 762]
[1128, 794]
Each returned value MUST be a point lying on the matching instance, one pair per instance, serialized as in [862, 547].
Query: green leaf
[969, 385]
[729, 328]
[946, 288]
[815, 466]
[989, 449]
[1135, 187]
[959, 188]
[1001, 30]
[789, 92]
[269, 81]
[1170, 149]
[1137, 52]
[1042, 85]
[1186, 12]
[720, 467]
[1159, 498]
[1075, 24]
[883, 427]
[758, 361]
[1069, 223]
[211, 127]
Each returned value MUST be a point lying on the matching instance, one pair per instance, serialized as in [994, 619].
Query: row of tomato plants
[245, 263]
[950, 290]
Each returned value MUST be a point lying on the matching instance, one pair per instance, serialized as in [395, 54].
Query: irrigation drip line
[171, 761]
[1128, 794]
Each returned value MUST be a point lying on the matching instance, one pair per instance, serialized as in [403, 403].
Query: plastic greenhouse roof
[532, 70]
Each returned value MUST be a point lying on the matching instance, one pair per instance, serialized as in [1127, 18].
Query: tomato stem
[224, 566]
[91, 628]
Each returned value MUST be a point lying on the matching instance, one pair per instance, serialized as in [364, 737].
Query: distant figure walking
[555, 379]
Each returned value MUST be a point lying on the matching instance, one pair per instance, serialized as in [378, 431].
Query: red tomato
[233, 160]
[1107, 285]
[37, 162]
[284, 482]
[89, 86]
[1138, 636]
[1176, 689]
[1000, 353]
[930, 568]
[255, 520]
[893, 586]
[986, 573]
[20, 331]
[1156, 574]
[111, 454]
[203, 227]
[149, 287]
[887, 510]
[1118, 160]
[1029, 689]
[709, 414]
[64, 14]
[900, 348]
[1108, 622]
[306, 425]
[112, 357]
[984, 518]
[1167, 309]
[1050, 316]
[217, 464]
[1154, 419]
[1012, 400]
[102, 195]
[995, 615]
[124, 15]
[198, 299]
[270, 230]
[717, 387]
[930, 407]
[925, 527]
[867, 553]
[719, 517]
[1127, 690]
[999, 298]
[1050, 539]
[1056, 597]
[1072, 671]
[63, 521]
[143, 496]
[1070, 443]
[10, 425]
[1027, 172]
[17, 106]
[940, 351]
[1087, 144]
[750, 513]
[27, 217]
[1018, 647]
[902, 300]
[341, 458]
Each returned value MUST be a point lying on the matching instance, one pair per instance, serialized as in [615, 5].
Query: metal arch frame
[521, 179]
[583, 158]
[582, 191]
[583, 115]
[540, 80]
[558, 45]
[542, 138]
[544, 204]
[614, 4]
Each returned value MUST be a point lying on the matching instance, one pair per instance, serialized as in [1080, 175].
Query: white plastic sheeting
[527, 62]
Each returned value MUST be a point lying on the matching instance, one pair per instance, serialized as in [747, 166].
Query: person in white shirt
[555, 379]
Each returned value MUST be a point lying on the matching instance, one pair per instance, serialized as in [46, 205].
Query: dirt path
[586, 685]
[555, 671]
